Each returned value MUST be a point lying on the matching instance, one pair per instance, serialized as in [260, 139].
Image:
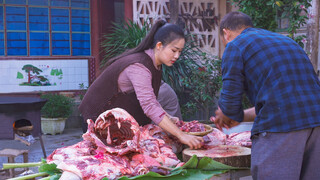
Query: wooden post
[128, 10]
[313, 34]
[174, 11]
[315, 43]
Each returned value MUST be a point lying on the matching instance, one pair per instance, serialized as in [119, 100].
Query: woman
[131, 81]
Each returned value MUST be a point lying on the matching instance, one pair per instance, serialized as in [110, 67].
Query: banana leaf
[193, 169]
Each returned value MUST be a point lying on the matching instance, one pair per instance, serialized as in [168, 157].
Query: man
[277, 76]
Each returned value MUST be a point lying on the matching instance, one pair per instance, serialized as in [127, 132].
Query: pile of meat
[192, 126]
[116, 146]
[217, 137]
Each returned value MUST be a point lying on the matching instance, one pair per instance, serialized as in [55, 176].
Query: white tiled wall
[74, 72]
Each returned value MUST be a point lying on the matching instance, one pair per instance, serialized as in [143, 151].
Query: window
[45, 28]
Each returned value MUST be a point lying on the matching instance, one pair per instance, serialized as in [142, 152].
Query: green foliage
[296, 12]
[123, 36]
[264, 14]
[202, 84]
[57, 106]
[261, 11]
[204, 168]
[83, 90]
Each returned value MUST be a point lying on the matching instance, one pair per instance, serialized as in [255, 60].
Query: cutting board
[236, 156]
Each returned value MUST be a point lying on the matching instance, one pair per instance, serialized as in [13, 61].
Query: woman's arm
[194, 142]
[141, 79]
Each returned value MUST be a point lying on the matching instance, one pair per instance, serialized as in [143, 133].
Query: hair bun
[160, 22]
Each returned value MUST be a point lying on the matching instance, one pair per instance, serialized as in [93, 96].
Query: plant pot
[52, 126]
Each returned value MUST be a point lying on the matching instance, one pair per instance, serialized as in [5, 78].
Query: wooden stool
[11, 154]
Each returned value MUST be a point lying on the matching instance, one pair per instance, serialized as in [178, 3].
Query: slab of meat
[240, 139]
[115, 143]
[217, 137]
[157, 132]
[115, 146]
[93, 167]
[156, 147]
[220, 151]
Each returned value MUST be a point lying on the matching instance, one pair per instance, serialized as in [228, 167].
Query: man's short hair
[234, 21]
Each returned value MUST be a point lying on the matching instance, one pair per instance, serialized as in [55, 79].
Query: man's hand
[222, 121]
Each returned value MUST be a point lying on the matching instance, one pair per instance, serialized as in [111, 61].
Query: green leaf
[50, 169]
[186, 174]
[193, 174]
[269, 3]
[191, 163]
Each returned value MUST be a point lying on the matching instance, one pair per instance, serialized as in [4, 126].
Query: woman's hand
[194, 142]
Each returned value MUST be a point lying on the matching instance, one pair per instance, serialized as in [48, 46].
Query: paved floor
[51, 142]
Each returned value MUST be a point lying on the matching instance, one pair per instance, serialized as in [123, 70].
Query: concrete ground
[51, 142]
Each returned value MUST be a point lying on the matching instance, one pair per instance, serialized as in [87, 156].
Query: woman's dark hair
[235, 21]
[160, 32]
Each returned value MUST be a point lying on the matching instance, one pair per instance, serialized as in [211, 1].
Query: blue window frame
[45, 28]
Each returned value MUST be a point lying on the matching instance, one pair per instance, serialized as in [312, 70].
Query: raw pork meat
[192, 126]
[114, 142]
[217, 137]
[158, 133]
[116, 146]
[240, 139]
[157, 148]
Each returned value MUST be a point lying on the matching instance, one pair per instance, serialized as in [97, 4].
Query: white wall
[71, 74]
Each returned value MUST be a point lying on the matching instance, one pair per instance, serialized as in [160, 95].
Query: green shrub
[57, 106]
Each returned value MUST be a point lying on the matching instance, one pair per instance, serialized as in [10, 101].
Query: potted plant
[55, 113]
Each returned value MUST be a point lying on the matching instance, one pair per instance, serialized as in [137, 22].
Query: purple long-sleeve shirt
[138, 78]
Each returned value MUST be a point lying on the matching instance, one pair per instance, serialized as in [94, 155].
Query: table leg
[11, 171]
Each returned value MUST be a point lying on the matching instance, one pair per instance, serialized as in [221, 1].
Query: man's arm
[230, 101]
[249, 115]
[222, 121]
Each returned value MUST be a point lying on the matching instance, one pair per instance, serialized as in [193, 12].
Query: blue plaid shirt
[278, 78]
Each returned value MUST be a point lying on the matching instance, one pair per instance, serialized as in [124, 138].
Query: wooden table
[12, 154]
